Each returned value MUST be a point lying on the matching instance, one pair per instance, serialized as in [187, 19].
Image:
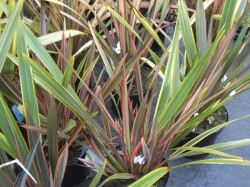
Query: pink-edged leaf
[146, 151]
[52, 131]
[125, 114]
[134, 153]
[61, 167]
[191, 101]
[23, 177]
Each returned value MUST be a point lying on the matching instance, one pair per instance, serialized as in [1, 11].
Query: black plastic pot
[209, 140]
[124, 183]
[238, 32]
[163, 181]
[75, 174]
[76, 171]
[133, 98]
[155, 46]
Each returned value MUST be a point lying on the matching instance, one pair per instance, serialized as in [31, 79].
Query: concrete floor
[220, 175]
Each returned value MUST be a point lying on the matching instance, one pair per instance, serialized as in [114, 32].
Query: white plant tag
[120, 152]
[224, 78]
[118, 48]
[227, 85]
[232, 93]
[139, 159]
[22, 166]
[196, 114]
[91, 156]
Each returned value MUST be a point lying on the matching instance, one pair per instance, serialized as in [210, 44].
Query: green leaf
[201, 29]
[4, 145]
[146, 152]
[4, 7]
[68, 73]
[70, 125]
[98, 175]
[72, 11]
[215, 161]
[113, 83]
[8, 33]
[61, 93]
[52, 128]
[52, 85]
[61, 167]
[30, 103]
[125, 114]
[151, 178]
[8, 91]
[5, 179]
[4, 159]
[241, 35]
[118, 176]
[153, 66]
[23, 176]
[44, 56]
[27, 83]
[228, 15]
[57, 36]
[86, 73]
[207, 133]
[221, 147]
[171, 79]
[208, 150]
[147, 25]
[181, 93]
[124, 22]
[11, 132]
[241, 8]
[187, 33]
[41, 53]
[104, 58]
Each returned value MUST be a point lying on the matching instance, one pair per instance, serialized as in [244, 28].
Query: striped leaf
[8, 33]
[151, 178]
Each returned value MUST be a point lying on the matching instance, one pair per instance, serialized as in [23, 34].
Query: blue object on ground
[84, 151]
[20, 118]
